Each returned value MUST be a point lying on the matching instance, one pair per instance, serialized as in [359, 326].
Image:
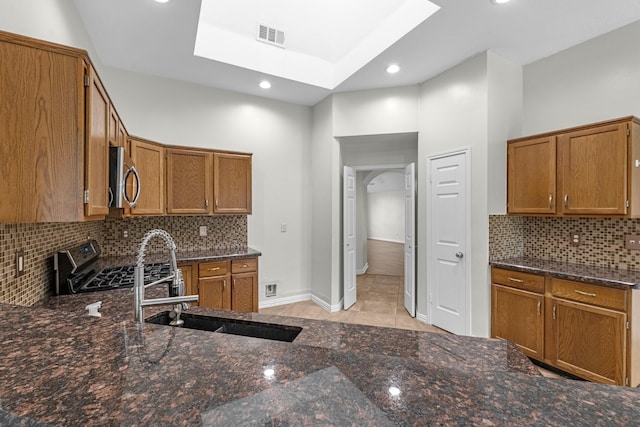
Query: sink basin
[222, 325]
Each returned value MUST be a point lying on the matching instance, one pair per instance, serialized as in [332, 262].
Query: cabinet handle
[213, 269]
[206, 203]
[244, 266]
[512, 279]
[587, 294]
[550, 201]
[566, 200]
[224, 283]
[539, 308]
[216, 203]
[554, 311]
[234, 283]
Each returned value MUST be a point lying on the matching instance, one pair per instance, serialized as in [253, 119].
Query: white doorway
[405, 234]
[449, 231]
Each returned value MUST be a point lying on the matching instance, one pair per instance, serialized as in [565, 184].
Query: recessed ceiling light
[393, 68]
[499, 1]
[265, 84]
[162, 1]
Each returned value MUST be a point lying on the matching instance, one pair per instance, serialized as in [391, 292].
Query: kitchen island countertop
[62, 367]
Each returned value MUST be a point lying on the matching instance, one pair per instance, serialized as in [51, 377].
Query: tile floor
[380, 302]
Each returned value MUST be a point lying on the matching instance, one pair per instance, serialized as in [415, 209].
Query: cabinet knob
[459, 255]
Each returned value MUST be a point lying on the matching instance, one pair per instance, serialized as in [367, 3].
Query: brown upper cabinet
[56, 125]
[42, 122]
[583, 171]
[149, 158]
[232, 183]
[188, 181]
[96, 195]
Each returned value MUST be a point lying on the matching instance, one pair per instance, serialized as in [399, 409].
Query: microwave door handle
[110, 197]
[131, 170]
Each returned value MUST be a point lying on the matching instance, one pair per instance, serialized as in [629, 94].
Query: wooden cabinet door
[148, 157]
[518, 316]
[593, 170]
[232, 183]
[213, 292]
[589, 341]
[96, 148]
[188, 181]
[531, 176]
[244, 294]
[190, 286]
[41, 134]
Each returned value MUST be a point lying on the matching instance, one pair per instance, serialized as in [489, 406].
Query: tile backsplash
[602, 240]
[40, 241]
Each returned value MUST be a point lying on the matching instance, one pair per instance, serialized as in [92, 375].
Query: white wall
[386, 215]
[379, 111]
[594, 81]
[186, 114]
[52, 20]
[453, 115]
[325, 264]
[504, 123]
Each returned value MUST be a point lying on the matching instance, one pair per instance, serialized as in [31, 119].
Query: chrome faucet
[174, 280]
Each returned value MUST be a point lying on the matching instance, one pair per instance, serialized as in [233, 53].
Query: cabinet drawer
[517, 279]
[210, 269]
[602, 296]
[244, 265]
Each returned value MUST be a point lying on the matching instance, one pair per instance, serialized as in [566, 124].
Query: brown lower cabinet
[227, 285]
[581, 328]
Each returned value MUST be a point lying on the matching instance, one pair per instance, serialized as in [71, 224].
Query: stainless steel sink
[270, 331]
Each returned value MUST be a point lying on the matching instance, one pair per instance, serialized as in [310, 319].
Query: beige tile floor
[380, 302]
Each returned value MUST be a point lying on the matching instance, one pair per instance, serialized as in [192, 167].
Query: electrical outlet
[203, 231]
[19, 263]
[271, 289]
[576, 239]
[632, 242]
[125, 234]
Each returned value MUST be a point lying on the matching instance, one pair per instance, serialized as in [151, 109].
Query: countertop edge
[622, 279]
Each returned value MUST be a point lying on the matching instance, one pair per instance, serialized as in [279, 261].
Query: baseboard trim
[386, 240]
[271, 302]
[422, 318]
[330, 308]
[363, 269]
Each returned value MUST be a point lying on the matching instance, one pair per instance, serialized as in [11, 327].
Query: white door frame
[350, 291]
[401, 166]
[469, 254]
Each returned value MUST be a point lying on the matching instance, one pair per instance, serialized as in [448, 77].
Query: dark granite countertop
[623, 279]
[62, 367]
[185, 256]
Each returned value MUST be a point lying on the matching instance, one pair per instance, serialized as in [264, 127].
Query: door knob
[459, 254]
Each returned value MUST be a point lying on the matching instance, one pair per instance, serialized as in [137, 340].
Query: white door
[448, 260]
[349, 236]
[410, 239]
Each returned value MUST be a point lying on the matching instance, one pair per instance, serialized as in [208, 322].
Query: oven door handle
[131, 202]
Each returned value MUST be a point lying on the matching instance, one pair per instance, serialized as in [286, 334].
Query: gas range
[77, 269]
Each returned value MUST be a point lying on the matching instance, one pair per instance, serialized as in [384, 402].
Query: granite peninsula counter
[62, 367]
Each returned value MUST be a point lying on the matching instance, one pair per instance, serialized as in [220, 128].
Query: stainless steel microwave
[121, 169]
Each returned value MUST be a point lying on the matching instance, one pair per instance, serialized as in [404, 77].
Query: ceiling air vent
[270, 35]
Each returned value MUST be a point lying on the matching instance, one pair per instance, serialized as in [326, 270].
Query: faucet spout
[176, 283]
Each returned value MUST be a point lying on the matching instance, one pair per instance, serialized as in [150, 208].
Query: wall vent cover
[270, 35]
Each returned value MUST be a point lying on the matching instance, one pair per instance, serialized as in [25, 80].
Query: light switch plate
[19, 263]
[203, 231]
